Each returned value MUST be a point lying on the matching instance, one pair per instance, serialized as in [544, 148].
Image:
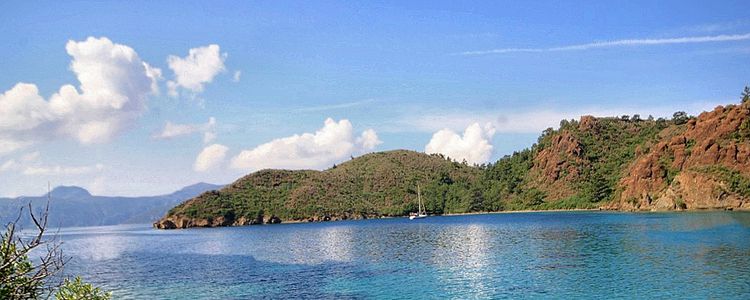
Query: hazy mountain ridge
[75, 206]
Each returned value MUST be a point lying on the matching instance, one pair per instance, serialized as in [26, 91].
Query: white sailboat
[422, 211]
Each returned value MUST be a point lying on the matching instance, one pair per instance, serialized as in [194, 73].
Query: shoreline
[529, 211]
[524, 211]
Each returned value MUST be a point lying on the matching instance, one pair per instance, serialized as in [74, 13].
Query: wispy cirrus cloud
[617, 43]
[334, 106]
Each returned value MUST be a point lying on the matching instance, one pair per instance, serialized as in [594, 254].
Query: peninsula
[629, 163]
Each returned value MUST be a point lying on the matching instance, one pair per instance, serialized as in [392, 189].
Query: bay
[581, 255]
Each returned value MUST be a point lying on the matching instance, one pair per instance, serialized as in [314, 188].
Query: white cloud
[532, 121]
[30, 164]
[8, 165]
[114, 86]
[620, 43]
[520, 122]
[61, 170]
[236, 76]
[199, 67]
[475, 146]
[172, 130]
[368, 140]
[335, 106]
[211, 157]
[331, 144]
[8, 145]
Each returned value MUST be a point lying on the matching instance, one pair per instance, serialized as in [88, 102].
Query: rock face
[673, 171]
[182, 222]
[560, 163]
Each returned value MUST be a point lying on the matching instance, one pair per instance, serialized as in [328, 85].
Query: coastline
[529, 211]
[523, 211]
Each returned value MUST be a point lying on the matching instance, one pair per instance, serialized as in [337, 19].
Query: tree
[636, 118]
[679, 118]
[22, 279]
[746, 95]
[564, 123]
[19, 277]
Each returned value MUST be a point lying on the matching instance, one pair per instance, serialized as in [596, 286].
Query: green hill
[372, 185]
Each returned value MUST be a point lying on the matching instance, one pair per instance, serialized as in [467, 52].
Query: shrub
[680, 118]
[78, 290]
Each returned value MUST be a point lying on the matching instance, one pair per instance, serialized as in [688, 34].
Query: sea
[540, 255]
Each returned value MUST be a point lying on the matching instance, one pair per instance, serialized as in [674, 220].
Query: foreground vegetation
[22, 278]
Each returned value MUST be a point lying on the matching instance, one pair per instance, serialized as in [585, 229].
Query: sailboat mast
[419, 200]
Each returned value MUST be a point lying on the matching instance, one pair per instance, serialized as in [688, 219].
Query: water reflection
[462, 258]
[333, 243]
[99, 247]
[743, 218]
[695, 221]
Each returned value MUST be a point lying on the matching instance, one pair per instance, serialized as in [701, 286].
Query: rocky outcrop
[182, 222]
[559, 164]
[664, 177]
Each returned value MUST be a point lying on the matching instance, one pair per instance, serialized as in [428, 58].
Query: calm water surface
[521, 255]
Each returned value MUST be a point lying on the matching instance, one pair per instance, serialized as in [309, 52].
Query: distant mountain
[75, 206]
[618, 163]
[69, 192]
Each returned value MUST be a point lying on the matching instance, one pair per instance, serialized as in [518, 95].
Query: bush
[680, 118]
[78, 290]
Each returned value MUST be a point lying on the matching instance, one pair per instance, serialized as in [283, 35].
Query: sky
[145, 97]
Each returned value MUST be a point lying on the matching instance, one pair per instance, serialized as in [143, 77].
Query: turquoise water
[578, 255]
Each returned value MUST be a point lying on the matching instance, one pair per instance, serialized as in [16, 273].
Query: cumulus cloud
[236, 76]
[196, 69]
[475, 146]
[333, 143]
[368, 140]
[114, 86]
[211, 157]
[172, 130]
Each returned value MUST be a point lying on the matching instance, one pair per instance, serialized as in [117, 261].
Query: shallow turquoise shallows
[571, 255]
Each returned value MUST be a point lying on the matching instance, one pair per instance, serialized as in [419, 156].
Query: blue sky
[389, 75]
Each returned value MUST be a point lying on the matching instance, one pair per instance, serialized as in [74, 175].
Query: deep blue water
[577, 255]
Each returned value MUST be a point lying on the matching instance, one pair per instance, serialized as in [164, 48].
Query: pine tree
[746, 94]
